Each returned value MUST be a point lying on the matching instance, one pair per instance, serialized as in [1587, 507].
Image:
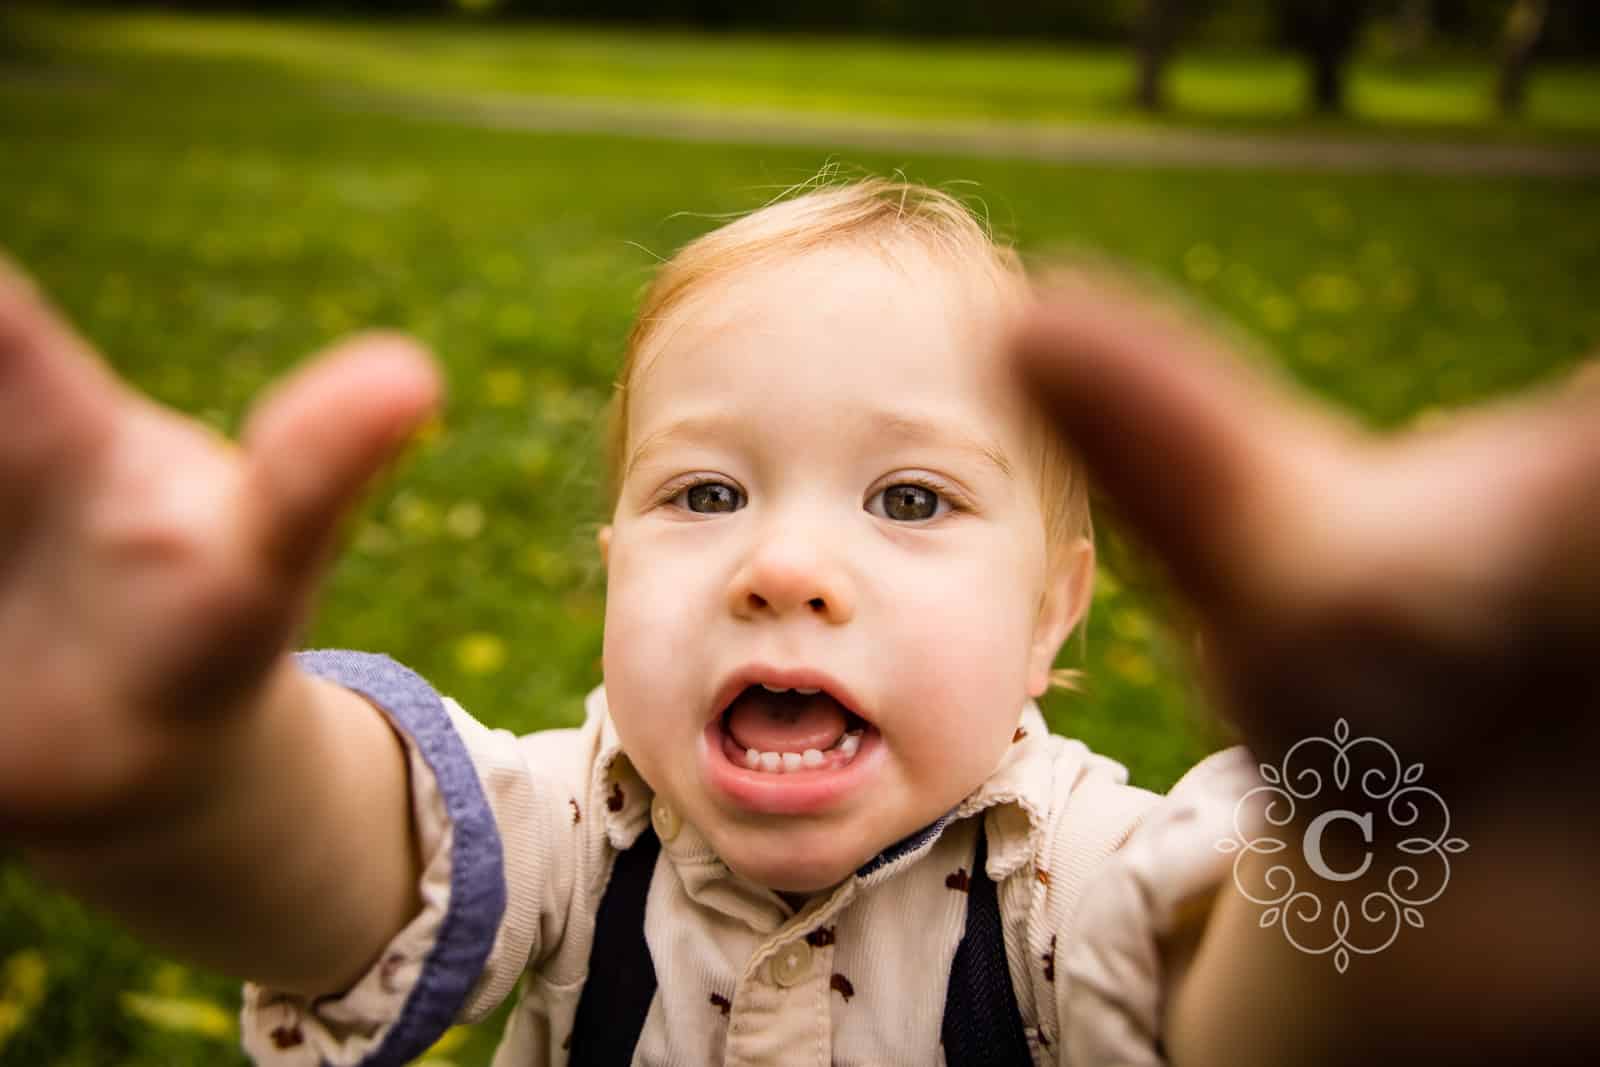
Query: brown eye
[711, 498]
[910, 502]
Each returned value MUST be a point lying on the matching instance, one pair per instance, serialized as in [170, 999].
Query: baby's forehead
[876, 285]
[880, 348]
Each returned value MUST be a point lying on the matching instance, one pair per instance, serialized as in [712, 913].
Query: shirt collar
[1015, 797]
[627, 797]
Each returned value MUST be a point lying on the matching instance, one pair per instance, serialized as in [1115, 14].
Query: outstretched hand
[152, 574]
[1438, 589]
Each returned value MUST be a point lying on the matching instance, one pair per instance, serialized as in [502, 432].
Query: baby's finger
[57, 400]
[1202, 455]
[322, 434]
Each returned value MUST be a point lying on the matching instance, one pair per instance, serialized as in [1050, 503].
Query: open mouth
[790, 732]
[793, 753]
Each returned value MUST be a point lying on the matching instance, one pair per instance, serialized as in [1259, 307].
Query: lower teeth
[788, 762]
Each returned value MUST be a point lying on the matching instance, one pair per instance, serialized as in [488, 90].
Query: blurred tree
[1524, 23]
[1158, 29]
[1324, 31]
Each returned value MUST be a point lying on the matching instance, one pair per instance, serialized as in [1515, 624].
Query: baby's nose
[789, 579]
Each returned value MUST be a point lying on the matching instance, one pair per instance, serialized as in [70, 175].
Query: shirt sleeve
[1115, 987]
[482, 825]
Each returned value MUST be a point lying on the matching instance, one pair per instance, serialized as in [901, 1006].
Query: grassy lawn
[209, 221]
[920, 80]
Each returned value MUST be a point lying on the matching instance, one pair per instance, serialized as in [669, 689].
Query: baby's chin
[785, 865]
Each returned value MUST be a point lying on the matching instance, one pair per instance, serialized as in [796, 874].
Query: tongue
[785, 722]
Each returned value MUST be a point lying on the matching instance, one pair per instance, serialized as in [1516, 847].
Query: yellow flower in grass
[503, 387]
[1131, 624]
[414, 514]
[551, 569]
[23, 981]
[11, 1019]
[1106, 584]
[1131, 665]
[465, 520]
[26, 976]
[481, 653]
[1278, 312]
[185, 1015]
[1331, 292]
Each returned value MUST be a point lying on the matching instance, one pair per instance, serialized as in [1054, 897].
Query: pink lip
[800, 793]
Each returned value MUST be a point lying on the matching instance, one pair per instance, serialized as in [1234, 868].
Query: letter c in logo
[1313, 843]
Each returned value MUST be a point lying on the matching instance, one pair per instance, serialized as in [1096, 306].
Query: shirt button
[665, 820]
[792, 964]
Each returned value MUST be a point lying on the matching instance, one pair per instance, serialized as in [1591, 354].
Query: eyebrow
[914, 429]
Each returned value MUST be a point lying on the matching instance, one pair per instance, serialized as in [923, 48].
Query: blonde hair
[883, 215]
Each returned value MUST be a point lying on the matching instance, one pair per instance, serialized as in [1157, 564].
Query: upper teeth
[785, 689]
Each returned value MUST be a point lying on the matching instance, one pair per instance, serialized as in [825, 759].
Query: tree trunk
[1324, 31]
[1524, 24]
[1157, 31]
[1327, 81]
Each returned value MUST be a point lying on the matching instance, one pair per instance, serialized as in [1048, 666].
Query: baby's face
[754, 533]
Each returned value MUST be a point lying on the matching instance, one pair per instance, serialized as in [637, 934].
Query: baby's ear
[1066, 598]
[603, 539]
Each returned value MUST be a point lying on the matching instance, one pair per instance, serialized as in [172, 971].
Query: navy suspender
[982, 1024]
[622, 980]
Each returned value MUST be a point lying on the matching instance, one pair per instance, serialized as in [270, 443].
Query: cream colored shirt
[858, 976]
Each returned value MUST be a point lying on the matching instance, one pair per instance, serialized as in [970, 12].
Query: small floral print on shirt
[722, 1003]
[842, 985]
[821, 937]
[959, 881]
[1022, 731]
[615, 800]
[576, 814]
[1042, 874]
[287, 1036]
[1050, 961]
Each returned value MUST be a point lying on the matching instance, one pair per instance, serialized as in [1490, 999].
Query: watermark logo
[1364, 825]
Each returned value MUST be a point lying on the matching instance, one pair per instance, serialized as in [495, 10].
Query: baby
[814, 814]
[844, 552]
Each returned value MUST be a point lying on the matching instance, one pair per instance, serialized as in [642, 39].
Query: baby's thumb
[321, 434]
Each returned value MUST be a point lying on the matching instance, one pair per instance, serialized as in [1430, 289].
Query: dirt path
[1057, 143]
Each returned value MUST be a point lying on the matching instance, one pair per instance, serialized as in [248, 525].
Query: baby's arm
[286, 857]
[161, 755]
[1438, 590]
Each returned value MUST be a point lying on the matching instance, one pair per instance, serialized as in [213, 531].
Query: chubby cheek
[965, 659]
[654, 663]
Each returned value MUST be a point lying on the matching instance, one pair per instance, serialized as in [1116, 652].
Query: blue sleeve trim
[477, 867]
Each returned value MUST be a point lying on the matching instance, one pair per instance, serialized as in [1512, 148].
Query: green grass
[918, 80]
[208, 222]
